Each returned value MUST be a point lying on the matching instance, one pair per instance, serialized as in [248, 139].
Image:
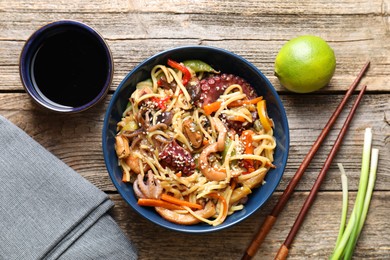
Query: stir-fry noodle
[194, 142]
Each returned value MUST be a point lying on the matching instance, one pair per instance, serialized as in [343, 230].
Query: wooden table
[357, 31]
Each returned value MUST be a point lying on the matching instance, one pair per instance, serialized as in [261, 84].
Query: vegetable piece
[121, 146]
[199, 66]
[254, 182]
[144, 83]
[239, 193]
[264, 119]
[130, 126]
[238, 118]
[182, 68]
[158, 203]
[347, 243]
[370, 186]
[364, 202]
[212, 107]
[344, 184]
[224, 204]
[160, 82]
[239, 103]
[233, 184]
[246, 139]
[346, 235]
[228, 143]
[161, 102]
[126, 176]
[361, 191]
[257, 125]
[180, 202]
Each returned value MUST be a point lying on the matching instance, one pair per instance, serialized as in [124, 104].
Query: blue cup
[66, 66]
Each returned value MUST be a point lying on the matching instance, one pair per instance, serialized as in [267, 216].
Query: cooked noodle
[163, 113]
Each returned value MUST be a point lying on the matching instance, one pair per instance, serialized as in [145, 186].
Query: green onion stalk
[344, 185]
[348, 236]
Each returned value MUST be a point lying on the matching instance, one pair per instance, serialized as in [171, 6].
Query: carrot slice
[223, 201]
[239, 103]
[126, 176]
[158, 203]
[239, 118]
[212, 107]
[180, 202]
[247, 139]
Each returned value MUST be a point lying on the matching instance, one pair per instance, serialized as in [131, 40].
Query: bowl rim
[206, 228]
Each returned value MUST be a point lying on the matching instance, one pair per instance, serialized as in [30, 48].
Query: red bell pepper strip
[182, 68]
[160, 82]
[161, 102]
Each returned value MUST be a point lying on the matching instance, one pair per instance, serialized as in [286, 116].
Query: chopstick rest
[47, 210]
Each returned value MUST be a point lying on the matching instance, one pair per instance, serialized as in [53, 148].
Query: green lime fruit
[305, 64]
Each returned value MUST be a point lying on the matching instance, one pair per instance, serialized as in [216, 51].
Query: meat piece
[177, 158]
[165, 117]
[134, 163]
[193, 88]
[192, 132]
[213, 86]
[151, 189]
[209, 171]
[239, 126]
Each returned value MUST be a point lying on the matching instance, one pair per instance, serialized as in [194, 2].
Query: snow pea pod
[199, 66]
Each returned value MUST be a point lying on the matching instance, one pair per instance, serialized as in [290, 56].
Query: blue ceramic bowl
[37, 40]
[223, 61]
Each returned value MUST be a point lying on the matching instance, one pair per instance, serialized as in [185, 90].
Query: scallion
[344, 185]
[347, 239]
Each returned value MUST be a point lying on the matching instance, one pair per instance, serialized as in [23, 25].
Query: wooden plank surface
[314, 241]
[357, 31]
[128, 53]
[200, 6]
[262, 31]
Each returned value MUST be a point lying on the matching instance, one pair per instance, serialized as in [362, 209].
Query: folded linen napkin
[47, 210]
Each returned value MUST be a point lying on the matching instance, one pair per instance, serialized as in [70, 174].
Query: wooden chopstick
[283, 251]
[271, 218]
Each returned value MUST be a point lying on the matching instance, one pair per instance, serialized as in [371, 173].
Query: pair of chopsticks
[271, 218]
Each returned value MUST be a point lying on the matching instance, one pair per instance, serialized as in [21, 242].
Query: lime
[305, 64]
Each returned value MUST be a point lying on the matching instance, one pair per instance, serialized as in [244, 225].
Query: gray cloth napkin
[47, 210]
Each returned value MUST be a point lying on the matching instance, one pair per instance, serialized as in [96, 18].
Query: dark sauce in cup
[70, 68]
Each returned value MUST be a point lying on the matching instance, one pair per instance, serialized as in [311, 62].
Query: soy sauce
[70, 68]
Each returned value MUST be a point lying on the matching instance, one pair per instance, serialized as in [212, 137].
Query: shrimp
[135, 164]
[208, 171]
[187, 218]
